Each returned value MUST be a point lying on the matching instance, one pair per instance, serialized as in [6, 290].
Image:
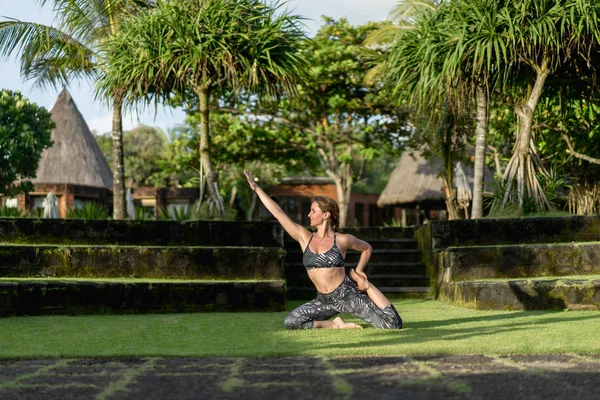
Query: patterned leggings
[346, 298]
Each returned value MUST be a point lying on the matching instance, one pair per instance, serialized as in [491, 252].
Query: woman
[324, 254]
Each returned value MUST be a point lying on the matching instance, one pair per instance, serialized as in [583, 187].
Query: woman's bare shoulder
[345, 238]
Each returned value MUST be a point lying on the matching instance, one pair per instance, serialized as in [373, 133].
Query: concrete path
[435, 377]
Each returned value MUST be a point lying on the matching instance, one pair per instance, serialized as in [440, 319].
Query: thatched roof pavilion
[416, 182]
[75, 157]
[73, 168]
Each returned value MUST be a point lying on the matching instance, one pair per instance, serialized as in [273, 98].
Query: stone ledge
[532, 294]
[519, 261]
[514, 230]
[55, 297]
[158, 233]
[141, 262]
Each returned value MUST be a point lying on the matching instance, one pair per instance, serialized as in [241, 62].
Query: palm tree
[201, 49]
[415, 68]
[58, 55]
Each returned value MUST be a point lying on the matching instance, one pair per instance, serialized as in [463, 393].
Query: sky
[99, 116]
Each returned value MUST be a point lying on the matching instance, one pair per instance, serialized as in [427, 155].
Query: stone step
[514, 231]
[372, 268]
[380, 256]
[519, 261]
[56, 296]
[377, 244]
[564, 293]
[381, 232]
[141, 262]
[154, 233]
[379, 280]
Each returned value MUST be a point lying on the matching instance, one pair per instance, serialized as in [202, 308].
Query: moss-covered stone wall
[527, 260]
[141, 262]
[483, 232]
[531, 294]
[153, 233]
[88, 297]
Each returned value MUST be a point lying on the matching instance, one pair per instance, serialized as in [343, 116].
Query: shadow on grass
[450, 330]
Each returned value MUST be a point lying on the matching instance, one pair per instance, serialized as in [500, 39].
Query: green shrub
[141, 214]
[12, 212]
[195, 212]
[88, 211]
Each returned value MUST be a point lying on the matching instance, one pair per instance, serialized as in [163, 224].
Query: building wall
[362, 210]
[66, 194]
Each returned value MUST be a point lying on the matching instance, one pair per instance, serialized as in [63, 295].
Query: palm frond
[48, 55]
[185, 45]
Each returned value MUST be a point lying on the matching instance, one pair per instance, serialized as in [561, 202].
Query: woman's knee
[393, 318]
[292, 322]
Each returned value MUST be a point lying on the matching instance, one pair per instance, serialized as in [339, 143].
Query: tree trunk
[524, 164]
[118, 164]
[343, 184]
[251, 211]
[211, 182]
[451, 203]
[481, 132]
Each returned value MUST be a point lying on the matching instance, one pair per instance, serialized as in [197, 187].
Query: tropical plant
[142, 214]
[24, 133]
[12, 212]
[204, 211]
[144, 149]
[548, 43]
[521, 43]
[199, 49]
[345, 120]
[58, 55]
[88, 211]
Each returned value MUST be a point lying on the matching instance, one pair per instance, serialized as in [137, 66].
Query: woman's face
[316, 215]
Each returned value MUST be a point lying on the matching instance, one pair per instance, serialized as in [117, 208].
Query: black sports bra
[332, 258]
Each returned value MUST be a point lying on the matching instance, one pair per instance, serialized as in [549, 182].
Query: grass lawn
[431, 327]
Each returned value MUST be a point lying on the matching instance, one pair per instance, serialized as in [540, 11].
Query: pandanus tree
[201, 49]
[53, 56]
[545, 40]
[522, 43]
[415, 70]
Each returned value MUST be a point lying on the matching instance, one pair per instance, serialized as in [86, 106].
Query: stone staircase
[517, 264]
[77, 266]
[395, 266]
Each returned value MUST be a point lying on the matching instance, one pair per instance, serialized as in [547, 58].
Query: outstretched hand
[250, 179]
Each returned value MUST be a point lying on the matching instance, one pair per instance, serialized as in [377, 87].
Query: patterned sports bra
[332, 258]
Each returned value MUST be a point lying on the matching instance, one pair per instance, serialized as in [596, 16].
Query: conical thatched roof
[75, 157]
[416, 180]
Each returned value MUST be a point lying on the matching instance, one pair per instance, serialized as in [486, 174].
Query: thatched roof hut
[416, 181]
[75, 157]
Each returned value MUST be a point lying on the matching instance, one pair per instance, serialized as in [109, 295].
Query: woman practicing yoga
[324, 254]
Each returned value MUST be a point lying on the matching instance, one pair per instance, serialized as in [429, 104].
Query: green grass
[431, 327]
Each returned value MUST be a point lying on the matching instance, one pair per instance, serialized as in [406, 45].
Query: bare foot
[361, 281]
[341, 324]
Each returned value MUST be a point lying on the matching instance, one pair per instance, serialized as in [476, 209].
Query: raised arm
[296, 231]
